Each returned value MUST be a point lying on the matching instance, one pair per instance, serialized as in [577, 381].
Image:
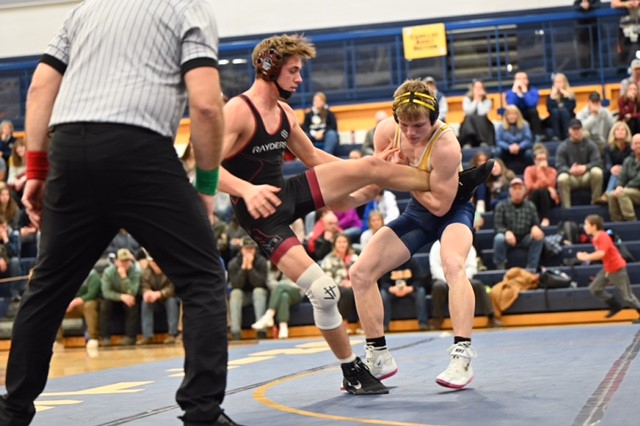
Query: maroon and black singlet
[260, 162]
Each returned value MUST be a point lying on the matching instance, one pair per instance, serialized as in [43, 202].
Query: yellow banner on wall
[424, 41]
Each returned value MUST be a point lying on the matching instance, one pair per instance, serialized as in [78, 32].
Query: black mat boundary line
[596, 406]
[240, 389]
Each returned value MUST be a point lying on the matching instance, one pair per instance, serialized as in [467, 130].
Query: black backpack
[622, 248]
[570, 231]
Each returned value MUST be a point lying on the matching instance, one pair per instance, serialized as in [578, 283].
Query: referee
[102, 113]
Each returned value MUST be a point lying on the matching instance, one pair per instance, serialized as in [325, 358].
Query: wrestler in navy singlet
[417, 226]
[260, 162]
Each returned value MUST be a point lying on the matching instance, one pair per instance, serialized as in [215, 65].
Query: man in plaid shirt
[517, 225]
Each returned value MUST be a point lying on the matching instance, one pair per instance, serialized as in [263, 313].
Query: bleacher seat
[558, 300]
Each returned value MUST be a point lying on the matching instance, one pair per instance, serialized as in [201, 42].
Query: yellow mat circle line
[260, 395]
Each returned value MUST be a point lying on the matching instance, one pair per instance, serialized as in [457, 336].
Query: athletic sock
[377, 342]
[348, 359]
[458, 339]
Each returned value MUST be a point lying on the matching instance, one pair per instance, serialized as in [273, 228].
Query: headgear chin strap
[284, 94]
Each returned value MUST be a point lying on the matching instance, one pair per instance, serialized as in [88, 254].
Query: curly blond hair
[286, 46]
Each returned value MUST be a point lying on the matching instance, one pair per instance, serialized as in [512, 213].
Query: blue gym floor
[577, 375]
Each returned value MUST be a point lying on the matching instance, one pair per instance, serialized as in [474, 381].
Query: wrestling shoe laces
[380, 362]
[358, 380]
[459, 372]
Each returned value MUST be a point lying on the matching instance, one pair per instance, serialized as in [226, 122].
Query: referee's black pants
[104, 177]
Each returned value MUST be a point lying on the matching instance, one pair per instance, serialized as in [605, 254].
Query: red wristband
[37, 165]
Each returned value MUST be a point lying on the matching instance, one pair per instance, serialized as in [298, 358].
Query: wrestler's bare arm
[443, 179]
[383, 138]
[300, 144]
[261, 200]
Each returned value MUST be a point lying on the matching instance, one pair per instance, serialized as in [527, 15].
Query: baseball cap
[575, 123]
[124, 254]
[248, 242]
[595, 97]
[430, 79]
[635, 64]
[516, 181]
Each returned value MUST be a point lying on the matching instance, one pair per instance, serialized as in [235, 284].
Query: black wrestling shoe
[358, 380]
[469, 179]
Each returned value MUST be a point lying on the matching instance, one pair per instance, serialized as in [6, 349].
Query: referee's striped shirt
[123, 60]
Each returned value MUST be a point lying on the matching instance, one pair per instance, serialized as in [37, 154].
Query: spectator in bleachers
[17, 169]
[123, 240]
[405, 281]
[517, 225]
[596, 121]
[440, 288]
[614, 267]
[634, 77]
[157, 291]
[247, 275]
[350, 223]
[540, 181]
[354, 154]
[385, 203]
[336, 265]
[586, 36]
[9, 208]
[440, 97]
[86, 305]
[626, 196]
[10, 260]
[476, 128]
[494, 190]
[375, 222]
[320, 124]
[284, 294]
[629, 107]
[7, 139]
[188, 160]
[120, 286]
[235, 235]
[561, 104]
[526, 98]
[629, 29]
[367, 146]
[579, 165]
[325, 231]
[618, 148]
[514, 140]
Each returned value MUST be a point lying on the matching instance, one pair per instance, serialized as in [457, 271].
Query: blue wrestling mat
[580, 375]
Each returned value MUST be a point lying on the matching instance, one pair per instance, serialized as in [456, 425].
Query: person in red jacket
[614, 269]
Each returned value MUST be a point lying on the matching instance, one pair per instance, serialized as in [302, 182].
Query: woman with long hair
[476, 128]
[9, 207]
[629, 108]
[514, 140]
[561, 105]
[17, 168]
[540, 183]
[617, 149]
[336, 265]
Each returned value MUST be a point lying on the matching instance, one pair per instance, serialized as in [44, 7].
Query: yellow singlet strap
[424, 162]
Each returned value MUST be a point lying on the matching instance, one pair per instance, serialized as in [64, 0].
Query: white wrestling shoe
[459, 372]
[380, 362]
[265, 321]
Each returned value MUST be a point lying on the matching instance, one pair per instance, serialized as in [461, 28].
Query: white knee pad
[324, 295]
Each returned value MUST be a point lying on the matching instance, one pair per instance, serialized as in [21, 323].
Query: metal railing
[358, 66]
